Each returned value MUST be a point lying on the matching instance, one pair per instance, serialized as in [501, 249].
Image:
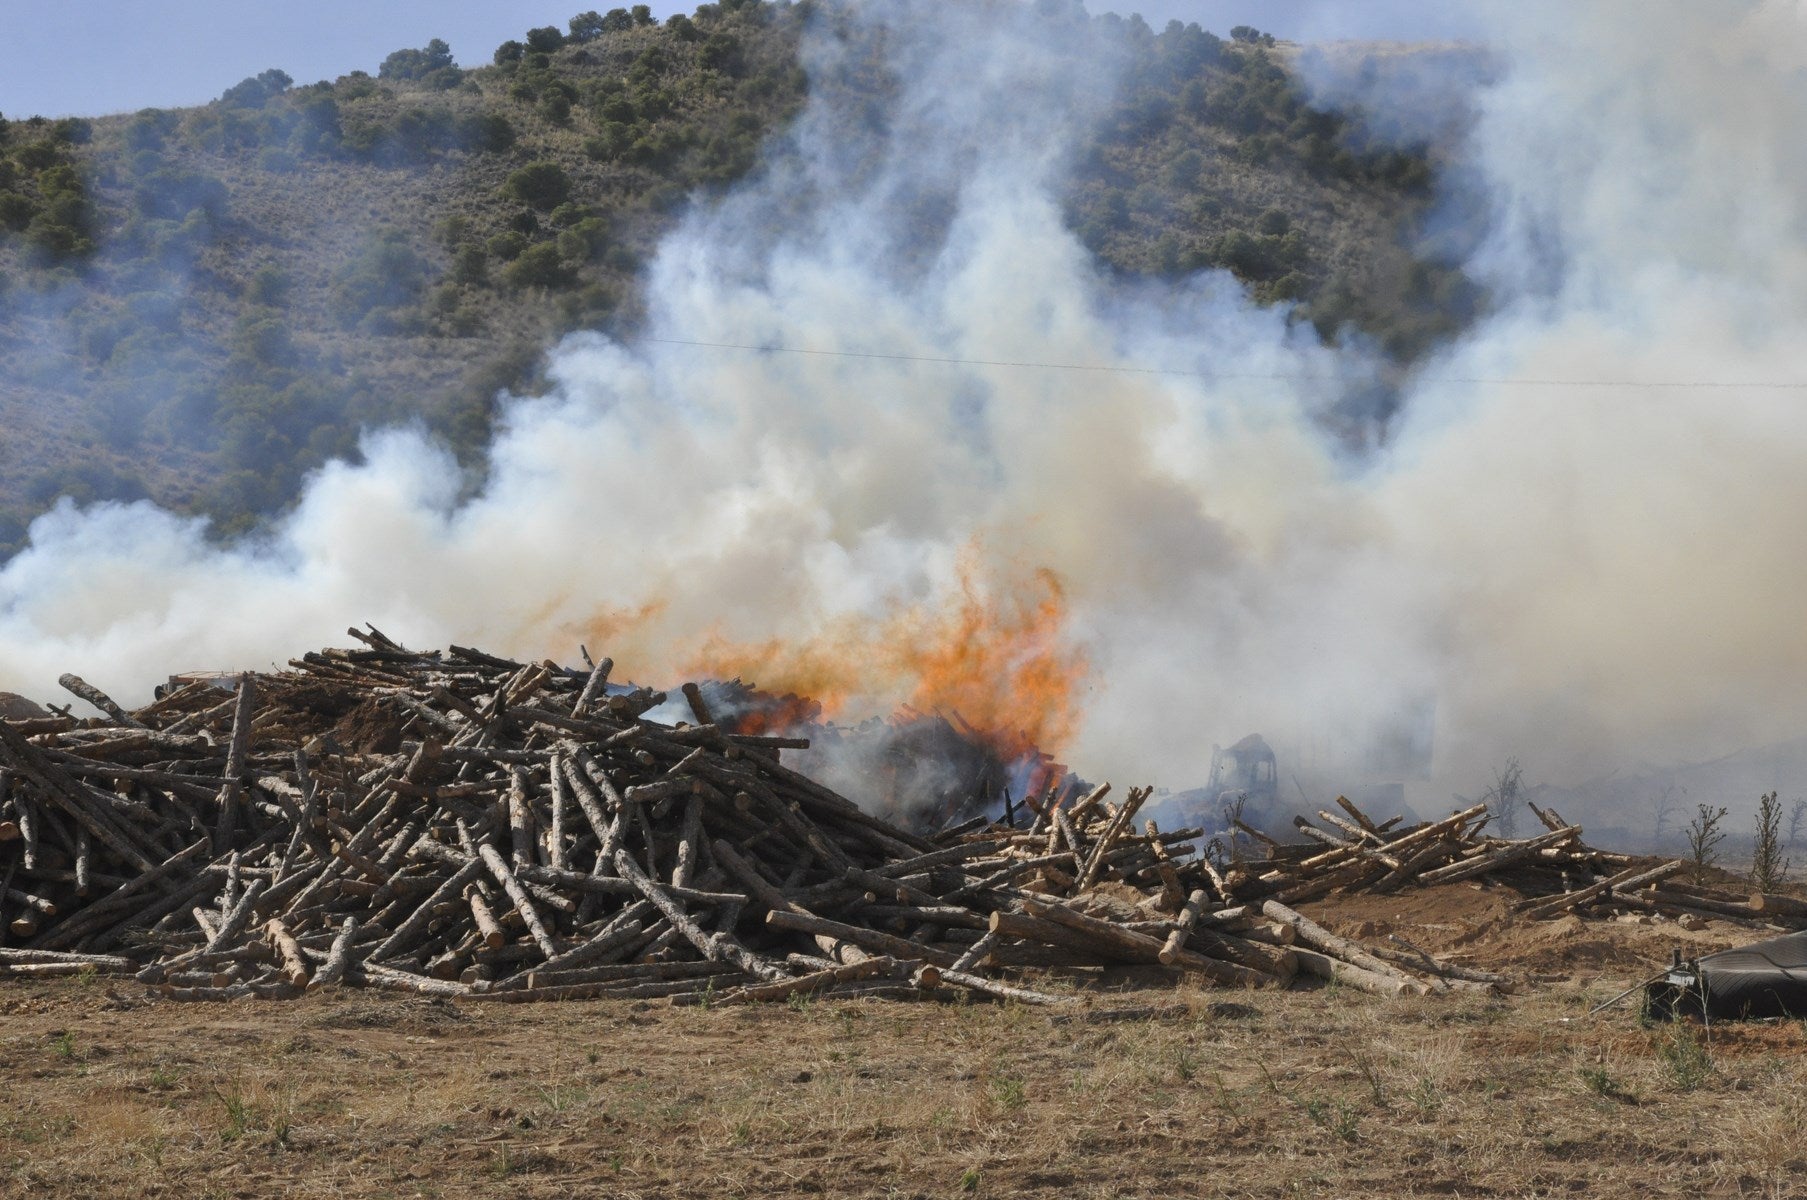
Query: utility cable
[1109, 369]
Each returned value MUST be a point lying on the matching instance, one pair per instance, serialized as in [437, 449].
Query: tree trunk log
[1315, 935]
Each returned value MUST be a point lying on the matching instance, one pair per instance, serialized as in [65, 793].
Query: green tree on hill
[431, 65]
[256, 91]
[584, 27]
[538, 266]
[543, 185]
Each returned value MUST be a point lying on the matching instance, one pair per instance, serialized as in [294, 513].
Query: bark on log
[1315, 935]
[720, 947]
[1139, 947]
[1003, 991]
[1176, 941]
[1327, 967]
[1768, 904]
[522, 902]
[1112, 832]
[1500, 858]
[338, 958]
[870, 939]
[1361, 818]
[1631, 877]
[100, 700]
[242, 716]
[294, 965]
[815, 981]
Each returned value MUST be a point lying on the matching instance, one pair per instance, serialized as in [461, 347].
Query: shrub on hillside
[507, 245]
[416, 135]
[86, 483]
[616, 109]
[555, 108]
[583, 239]
[16, 211]
[72, 131]
[487, 132]
[613, 140]
[317, 129]
[538, 266]
[264, 341]
[470, 263]
[172, 193]
[542, 184]
[387, 274]
[36, 156]
[357, 85]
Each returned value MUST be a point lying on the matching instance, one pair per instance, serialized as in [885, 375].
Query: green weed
[1369, 1070]
[1339, 1118]
[1685, 1055]
[1600, 1082]
[1008, 1093]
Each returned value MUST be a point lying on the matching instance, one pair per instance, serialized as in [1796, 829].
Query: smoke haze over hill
[1574, 573]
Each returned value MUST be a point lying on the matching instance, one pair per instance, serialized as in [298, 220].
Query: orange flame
[776, 714]
[999, 664]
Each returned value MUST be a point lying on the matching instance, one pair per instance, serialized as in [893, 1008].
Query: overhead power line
[1283, 377]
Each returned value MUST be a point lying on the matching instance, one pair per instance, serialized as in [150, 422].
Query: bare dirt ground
[1326, 1092]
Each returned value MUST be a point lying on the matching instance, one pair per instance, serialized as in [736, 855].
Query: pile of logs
[1555, 872]
[457, 824]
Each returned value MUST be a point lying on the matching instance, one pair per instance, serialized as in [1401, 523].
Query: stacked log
[458, 824]
[1554, 873]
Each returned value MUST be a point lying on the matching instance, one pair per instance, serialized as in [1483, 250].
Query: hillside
[198, 306]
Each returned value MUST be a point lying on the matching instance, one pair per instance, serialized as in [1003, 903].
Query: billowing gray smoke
[1575, 574]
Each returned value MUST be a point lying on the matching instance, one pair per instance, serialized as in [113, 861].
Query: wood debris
[1554, 872]
[458, 824]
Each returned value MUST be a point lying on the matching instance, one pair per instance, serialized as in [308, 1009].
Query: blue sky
[89, 57]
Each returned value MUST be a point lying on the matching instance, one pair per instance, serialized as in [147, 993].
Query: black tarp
[1765, 979]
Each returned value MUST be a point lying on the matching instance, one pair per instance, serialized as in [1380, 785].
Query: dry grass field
[1325, 1092]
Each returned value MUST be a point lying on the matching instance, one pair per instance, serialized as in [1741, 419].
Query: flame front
[1001, 664]
[778, 714]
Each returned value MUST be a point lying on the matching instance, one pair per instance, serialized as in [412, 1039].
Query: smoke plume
[1570, 570]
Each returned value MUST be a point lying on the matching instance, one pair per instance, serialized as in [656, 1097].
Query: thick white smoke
[1575, 574]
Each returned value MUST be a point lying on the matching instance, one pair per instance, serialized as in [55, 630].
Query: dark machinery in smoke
[1245, 779]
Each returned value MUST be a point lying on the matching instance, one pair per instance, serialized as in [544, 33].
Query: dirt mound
[1476, 926]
